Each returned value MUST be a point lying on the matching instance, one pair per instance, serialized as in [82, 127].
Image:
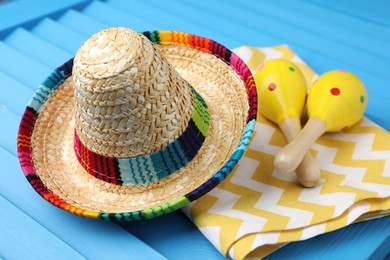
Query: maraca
[337, 100]
[281, 88]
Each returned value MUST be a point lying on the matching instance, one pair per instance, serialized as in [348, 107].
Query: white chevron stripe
[224, 206]
[212, 234]
[354, 175]
[261, 139]
[378, 214]
[260, 143]
[271, 53]
[369, 123]
[297, 59]
[244, 53]
[340, 200]
[357, 210]
[266, 238]
[312, 231]
[363, 150]
[270, 195]
[261, 239]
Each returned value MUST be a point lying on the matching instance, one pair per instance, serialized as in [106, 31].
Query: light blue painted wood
[91, 238]
[202, 18]
[350, 38]
[336, 18]
[17, 97]
[256, 37]
[376, 12]
[251, 24]
[68, 33]
[22, 68]
[38, 49]
[164, 20]
[365, 240]
[316, 60]
[176, 237]
[59, 35]
[72, 19]
[191, 243]
[28, 13]
[75, 231]
[230, 23]
[115, 17]
[37, 243]
[9, 124]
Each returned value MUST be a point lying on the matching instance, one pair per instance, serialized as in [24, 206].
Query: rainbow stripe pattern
[56, 78]
[151, 167]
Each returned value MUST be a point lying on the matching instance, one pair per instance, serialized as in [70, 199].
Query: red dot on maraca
[272, 86]
[335, 91]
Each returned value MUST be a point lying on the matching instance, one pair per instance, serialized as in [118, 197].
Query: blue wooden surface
[37, 36]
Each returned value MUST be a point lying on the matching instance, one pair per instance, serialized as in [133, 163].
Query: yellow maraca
[281, 88]
[337, 100]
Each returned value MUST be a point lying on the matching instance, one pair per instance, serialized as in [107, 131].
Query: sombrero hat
[137, 125]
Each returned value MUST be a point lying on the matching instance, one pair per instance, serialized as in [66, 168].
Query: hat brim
[45, 138]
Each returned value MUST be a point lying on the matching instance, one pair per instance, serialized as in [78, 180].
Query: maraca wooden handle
[289, 158]
[308, 172]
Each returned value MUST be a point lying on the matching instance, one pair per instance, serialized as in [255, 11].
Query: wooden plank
[27, 13]
[22, 68]
[115, 17]
[376, 12]
[355, 37]
[38, 242]
[17, 97]
[59, 35]
[224, 19]
[37, 48]
[333, 17]
[365, 240]
[233, 24]
[219, 25]
[91, 238]
[175, 237]
[9, 125]
[167, 20]
[72, 19]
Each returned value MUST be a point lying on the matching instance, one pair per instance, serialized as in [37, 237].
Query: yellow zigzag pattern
[256, 210]
[376, 209]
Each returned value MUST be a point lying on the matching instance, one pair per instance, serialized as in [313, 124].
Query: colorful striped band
[212, 47]
[150, 167]
[59, 75]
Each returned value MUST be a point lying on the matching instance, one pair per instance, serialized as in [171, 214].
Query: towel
[257, 210]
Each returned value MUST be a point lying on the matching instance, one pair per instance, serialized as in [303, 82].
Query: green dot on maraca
[362, 99]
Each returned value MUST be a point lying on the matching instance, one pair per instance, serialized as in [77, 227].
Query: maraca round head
[281, 89]
[338, 98]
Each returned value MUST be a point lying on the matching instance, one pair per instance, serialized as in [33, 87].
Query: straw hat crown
[129, 100]
[116, 133]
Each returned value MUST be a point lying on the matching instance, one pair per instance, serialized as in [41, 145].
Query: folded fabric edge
[264, 251]
[263, 243]
[254, 56]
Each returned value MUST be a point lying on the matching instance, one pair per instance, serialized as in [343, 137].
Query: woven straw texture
[129, 99]
[48, 158]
